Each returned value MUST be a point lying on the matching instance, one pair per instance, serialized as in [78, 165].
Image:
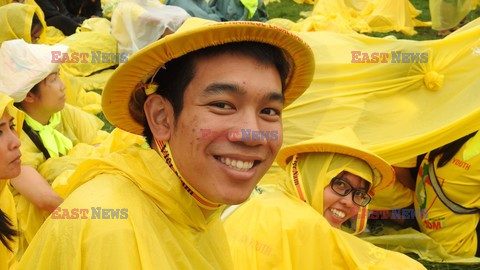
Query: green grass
[288, 9]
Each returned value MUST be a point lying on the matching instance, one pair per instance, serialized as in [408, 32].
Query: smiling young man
[221, 77]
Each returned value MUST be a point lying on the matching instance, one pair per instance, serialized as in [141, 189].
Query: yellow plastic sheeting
[412, 241]
[274, 230]
[79, 127]
[315, 23]
[7, 205]
[89, 52]
[57, 172]
[162, 226]
[108, 6]
[395, 196]
[78, 90]
[16, 21]
[4, 2]
[399, 110]
[447, 14]
[97, 25]
[362, 16]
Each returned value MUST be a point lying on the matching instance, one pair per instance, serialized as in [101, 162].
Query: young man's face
[50, 97]
[10, 148]
[229, 98]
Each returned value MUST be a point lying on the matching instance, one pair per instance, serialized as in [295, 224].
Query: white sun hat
[23, 65]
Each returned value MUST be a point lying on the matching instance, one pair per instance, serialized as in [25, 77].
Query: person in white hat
[51, 127]
[202, 96]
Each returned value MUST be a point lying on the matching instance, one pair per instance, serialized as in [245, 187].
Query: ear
[29, 98]
[160, 116]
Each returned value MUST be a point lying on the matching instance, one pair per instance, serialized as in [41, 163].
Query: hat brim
[144, 63]
[388, 175]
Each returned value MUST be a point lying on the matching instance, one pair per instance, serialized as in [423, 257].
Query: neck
[206, 213]
[39, 116]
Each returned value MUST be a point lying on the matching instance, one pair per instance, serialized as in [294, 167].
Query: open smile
[242, 165]
[337, 213]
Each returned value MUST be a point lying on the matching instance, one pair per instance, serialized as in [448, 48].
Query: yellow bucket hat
[195, 34]
[343, 141]
[6, 104]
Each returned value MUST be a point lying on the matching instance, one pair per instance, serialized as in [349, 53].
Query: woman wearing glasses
[291, 220]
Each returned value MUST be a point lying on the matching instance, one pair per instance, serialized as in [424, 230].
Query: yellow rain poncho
[77, 126]
[361, 16]
[16, 20]
[447, 14]
[275, 230]
[86, 67]
[460, 181]
[7, 205]
[89, 52]
[162, 226]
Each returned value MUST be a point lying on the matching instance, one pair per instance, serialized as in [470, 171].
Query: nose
[63, 86]
[347, 201]
[13, 140]
[248, 131]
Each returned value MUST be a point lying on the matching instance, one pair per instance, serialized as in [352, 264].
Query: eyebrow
[219, 88]
[4, 123]
[357, 188]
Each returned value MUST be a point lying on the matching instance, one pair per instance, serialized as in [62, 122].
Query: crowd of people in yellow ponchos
[237, 144]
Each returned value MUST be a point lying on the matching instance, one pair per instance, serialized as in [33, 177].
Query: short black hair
[173, 79]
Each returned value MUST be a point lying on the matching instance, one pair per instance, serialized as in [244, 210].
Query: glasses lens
[341, 187]
[361, 198]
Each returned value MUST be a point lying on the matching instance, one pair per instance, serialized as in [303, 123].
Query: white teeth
[237, 164]
[337, 213]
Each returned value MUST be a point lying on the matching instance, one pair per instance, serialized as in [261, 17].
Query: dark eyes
[227, 106]
[271, 112]
[222, 105]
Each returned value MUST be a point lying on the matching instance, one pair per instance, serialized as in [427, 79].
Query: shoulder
[278, 207]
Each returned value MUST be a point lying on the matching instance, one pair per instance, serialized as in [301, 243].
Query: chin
[235, 199]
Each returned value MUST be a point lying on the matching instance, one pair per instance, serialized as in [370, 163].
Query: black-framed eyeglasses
[359, 196]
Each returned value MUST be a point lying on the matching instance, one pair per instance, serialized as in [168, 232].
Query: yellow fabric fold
[275, 230]
[55, 142]
[362, 16]
[164, 227]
